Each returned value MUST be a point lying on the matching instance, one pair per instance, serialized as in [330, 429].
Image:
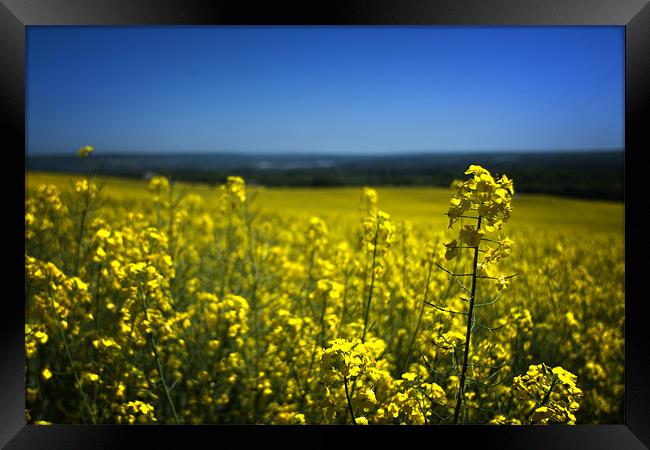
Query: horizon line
[149, 152]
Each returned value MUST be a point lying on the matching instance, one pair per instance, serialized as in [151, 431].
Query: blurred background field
[428, 204]
[582, 174]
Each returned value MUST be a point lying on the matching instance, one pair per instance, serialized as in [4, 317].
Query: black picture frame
[634, 15]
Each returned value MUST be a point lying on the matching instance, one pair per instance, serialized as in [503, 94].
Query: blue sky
[359, 90]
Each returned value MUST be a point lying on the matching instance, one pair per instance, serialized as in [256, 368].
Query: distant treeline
[596, 175]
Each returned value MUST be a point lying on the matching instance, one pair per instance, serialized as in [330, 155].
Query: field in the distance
[412, 203]
[235, 304]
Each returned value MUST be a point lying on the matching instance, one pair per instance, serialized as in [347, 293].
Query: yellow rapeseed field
[159, 302]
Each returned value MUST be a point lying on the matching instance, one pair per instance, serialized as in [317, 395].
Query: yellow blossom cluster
[191, 305]
[553, 394]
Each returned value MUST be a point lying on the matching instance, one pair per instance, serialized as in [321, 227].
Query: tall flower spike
[487, 201]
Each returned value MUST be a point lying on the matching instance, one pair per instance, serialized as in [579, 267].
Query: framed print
[270, 220]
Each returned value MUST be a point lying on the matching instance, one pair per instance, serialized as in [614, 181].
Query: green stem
[82, 224]
[404, 255]
[72, 364]
[226, 256]
[309, 281]
[347, 396]
[321, 335]
[468, 332]
[157, 358]
[97, 296]
[417, 326]
[545, 399]
[372, 282]
[344, 306]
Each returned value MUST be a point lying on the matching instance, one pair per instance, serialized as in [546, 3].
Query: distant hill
[597, 175]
